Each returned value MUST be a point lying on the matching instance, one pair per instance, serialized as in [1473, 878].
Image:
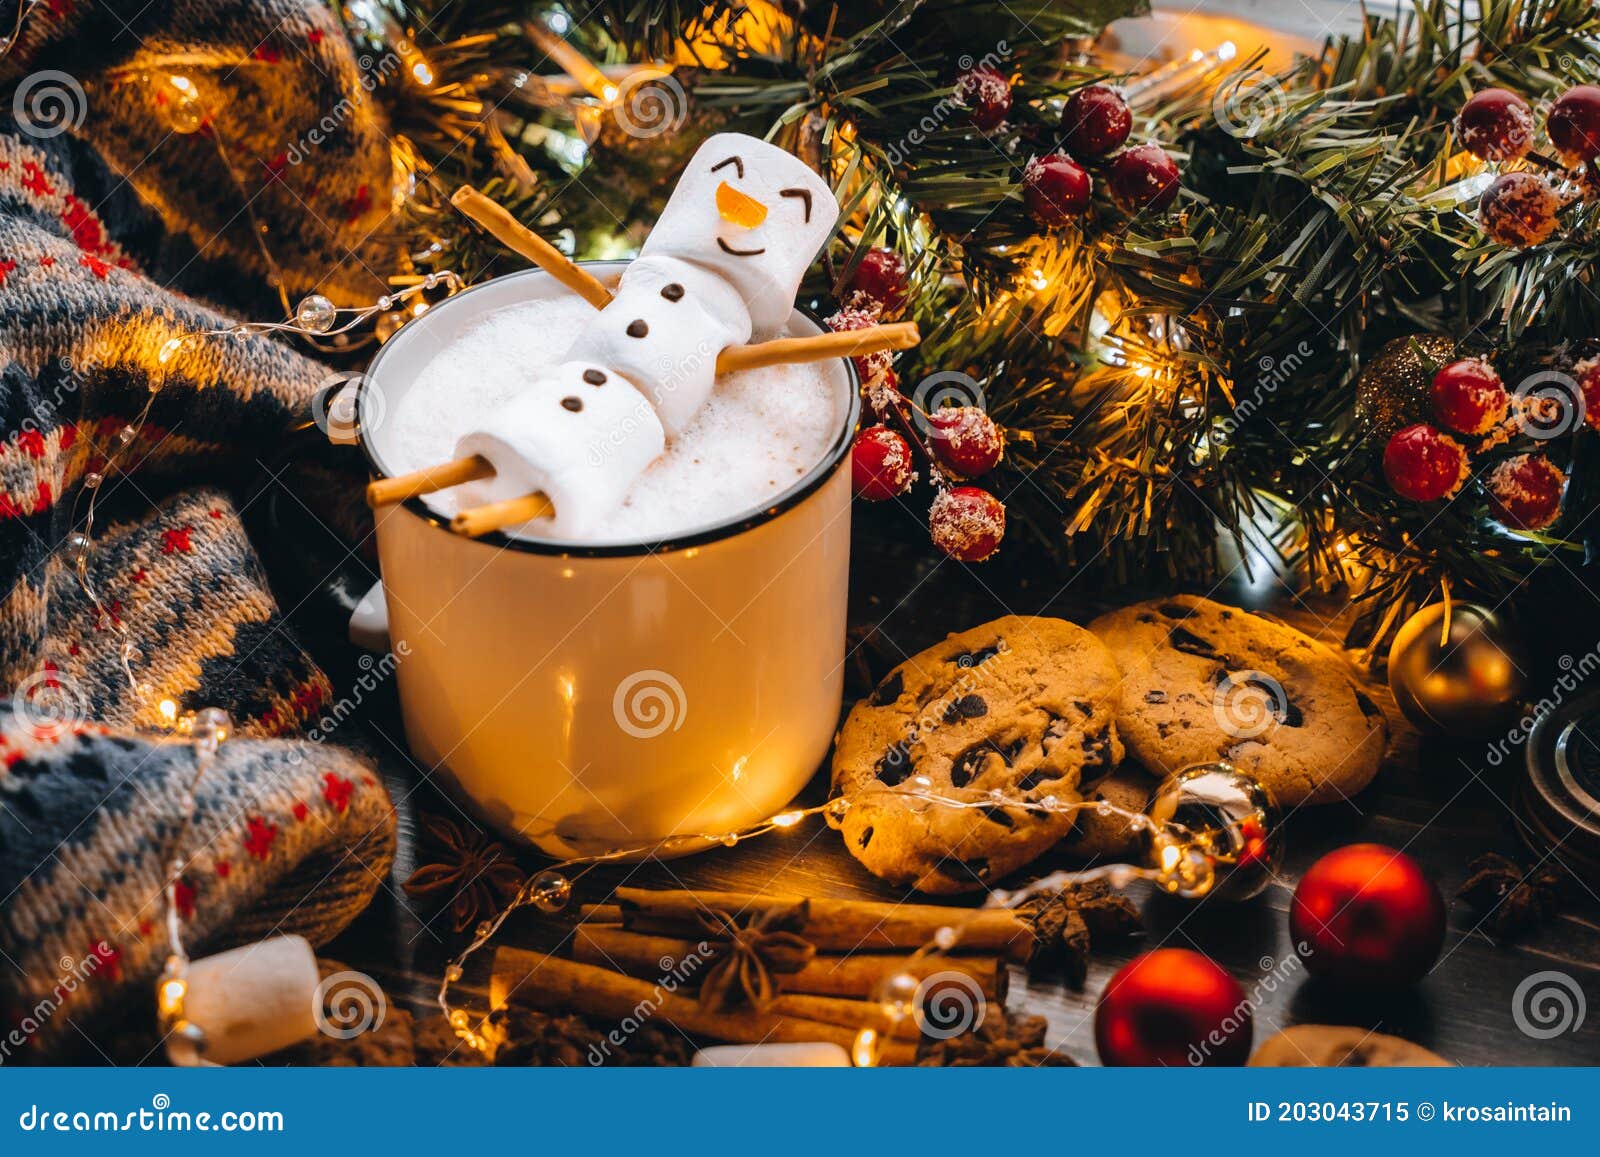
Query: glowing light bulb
[169, 711]
[786, 819]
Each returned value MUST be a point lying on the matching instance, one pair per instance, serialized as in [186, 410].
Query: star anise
[1065, 921]
[1006, 1040]
[1511, 900]
[745, 956]
[475, 873]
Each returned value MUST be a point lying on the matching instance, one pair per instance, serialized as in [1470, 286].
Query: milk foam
[759, 433]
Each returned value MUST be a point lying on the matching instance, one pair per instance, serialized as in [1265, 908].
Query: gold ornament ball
[1393, 390]
[1217, 833]
[1468, 685]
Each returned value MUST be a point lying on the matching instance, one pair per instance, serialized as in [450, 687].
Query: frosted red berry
[883, 276]
[1424, 464]
[1525, 491]
[967, 523]
[1095, 121]
[880, 464]
[1469, 397]
[1056, 189]
[1519, 209]
[1144, 177]
[965, 440]
[1496, 125]
[986, 94]
[1574, 123]
[862, 313]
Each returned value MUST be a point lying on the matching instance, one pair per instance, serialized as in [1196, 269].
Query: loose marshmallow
[581, 433]
[752, 213]
[663, 331]
[250, 1001]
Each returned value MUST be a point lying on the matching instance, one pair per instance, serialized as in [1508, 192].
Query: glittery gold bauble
[1220, 820]
[1468, 685]
[1392, 391]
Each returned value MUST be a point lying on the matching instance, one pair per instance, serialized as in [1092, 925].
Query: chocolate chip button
[595, 377]
[573, 404]
[672, 291]
[637, 327]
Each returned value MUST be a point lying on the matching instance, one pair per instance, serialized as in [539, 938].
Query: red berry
[1423, 464]
[1588, 373]
[1469, 398]
[986, 94]
[880, 464]
[966, 440]
[1496, 125]
[967, 523]
[862, 313]
[1525, 491]
[1095, 121]
[1144, 177]
[883, 276]
[1519, 209]
[1055, 189]
[1574, 123]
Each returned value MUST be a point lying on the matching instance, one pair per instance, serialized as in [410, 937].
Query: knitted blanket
[123, 223]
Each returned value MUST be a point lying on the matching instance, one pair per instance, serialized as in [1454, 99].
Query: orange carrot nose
[741, 209]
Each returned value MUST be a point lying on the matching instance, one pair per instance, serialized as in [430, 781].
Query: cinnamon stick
[857, 975]
[836, 925]
[552, 984]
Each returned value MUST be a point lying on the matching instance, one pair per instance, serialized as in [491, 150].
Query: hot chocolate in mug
[591, 697]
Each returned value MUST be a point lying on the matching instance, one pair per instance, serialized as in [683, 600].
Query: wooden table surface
[1431, 799]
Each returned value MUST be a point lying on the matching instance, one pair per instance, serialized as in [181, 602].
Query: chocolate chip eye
[573, 404]
[672, 291]
[594, 377]
[637, 327]
[803, 194]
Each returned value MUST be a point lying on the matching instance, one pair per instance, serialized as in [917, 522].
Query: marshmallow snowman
[663, 330]
[581, 433]
[754, 215]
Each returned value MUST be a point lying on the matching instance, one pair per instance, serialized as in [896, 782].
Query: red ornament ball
[1469, 397]
[1144, 177]
[967, 523]
[1574, 124]
[1172, 1007]
[883, 276]
[1525, 491]
[1368, 916]
[880, 464]
[1095, 121]
[1496, 125]
[1423, 464]
[1588, 373]
[1519, 209]
[1055, 189]
[966, 440]
[986, 94]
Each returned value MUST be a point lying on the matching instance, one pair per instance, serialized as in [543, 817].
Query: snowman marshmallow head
[752, 213]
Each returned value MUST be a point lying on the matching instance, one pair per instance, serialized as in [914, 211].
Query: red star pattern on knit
[100, 269]
[175, 539]
[301, 811]
[258, 840]
[5, 268]
[183, 894]
[336, 789]
[107, 959]
[33, 180]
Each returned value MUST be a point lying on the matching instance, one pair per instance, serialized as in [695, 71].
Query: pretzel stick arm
[514, 235]
[387, 491]
[480, 520]
[900, 335]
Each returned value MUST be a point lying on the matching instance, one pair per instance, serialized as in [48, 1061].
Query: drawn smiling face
[752, 213]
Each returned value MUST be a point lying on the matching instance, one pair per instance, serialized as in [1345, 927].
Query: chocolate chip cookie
[1202, 681]
[1018, 708]
[1107, 839]
[1341, 1046]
